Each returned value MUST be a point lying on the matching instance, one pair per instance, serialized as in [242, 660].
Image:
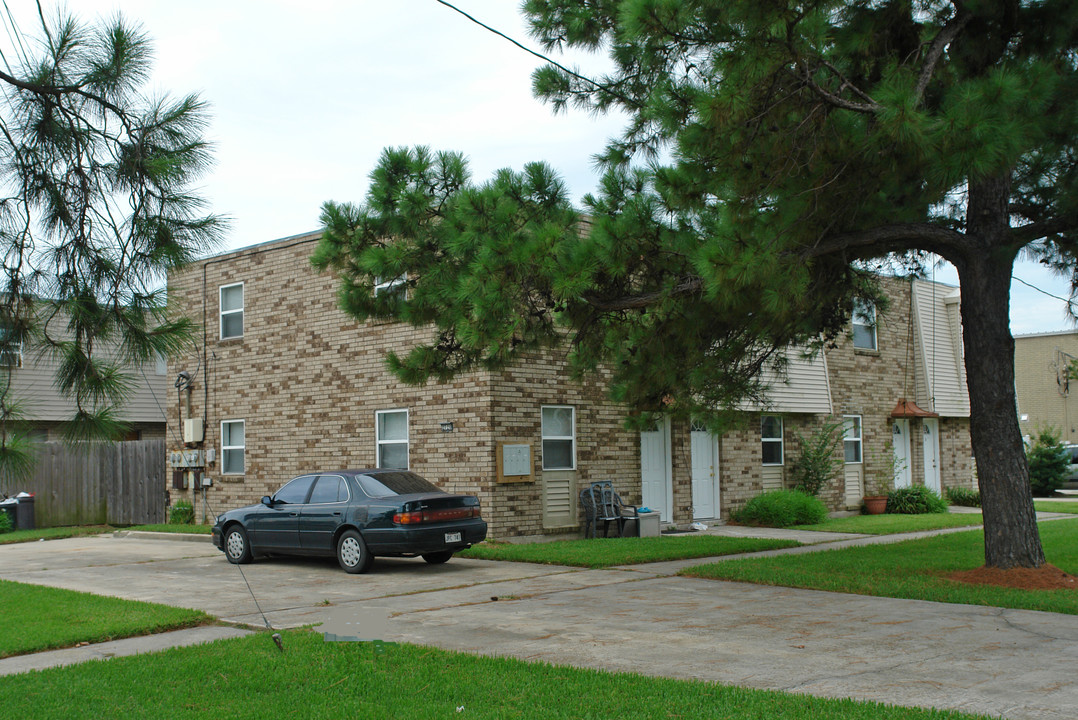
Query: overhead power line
[539, 55]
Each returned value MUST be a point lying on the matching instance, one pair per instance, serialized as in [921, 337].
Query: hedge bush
[782, 508]
[182, 513]
[964, 497]
[915, 500]
[6, 525]
[1048, 463]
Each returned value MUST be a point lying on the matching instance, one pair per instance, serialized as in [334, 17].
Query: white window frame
[571, 437]
[381, 286]
[849, 423]
[864, 311]
[12, 358]
[223, 312]
[780, 439]
[379, 442]
[233, 448]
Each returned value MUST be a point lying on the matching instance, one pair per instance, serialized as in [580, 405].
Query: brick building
[1043, 384]
[286, 383]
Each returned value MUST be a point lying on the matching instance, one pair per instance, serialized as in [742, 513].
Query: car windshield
[394, 483]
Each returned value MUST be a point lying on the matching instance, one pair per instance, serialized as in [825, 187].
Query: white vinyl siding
[233, 444]
[231, 311]
[941, 370]
[559, 437]
[391, 438]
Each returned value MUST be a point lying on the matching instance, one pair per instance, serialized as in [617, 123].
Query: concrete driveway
[1010, 663]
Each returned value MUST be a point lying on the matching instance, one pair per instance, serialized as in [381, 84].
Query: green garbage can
[24, 512]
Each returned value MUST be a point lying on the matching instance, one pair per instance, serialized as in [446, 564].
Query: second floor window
[231, 311]
[864, 325]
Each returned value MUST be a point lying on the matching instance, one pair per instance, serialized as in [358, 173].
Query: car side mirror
[267, 501]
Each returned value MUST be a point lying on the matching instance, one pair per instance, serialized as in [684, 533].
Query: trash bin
[648, 524]
[24, 514]
[9, 506]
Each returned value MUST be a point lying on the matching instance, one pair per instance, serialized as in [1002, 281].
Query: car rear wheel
[237, 548]
[437, 558]
[352, 553]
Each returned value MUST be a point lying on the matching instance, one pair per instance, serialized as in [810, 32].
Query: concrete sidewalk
[1015, 664]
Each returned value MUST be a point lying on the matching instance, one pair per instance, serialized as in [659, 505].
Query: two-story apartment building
[286, 383]
[1043, 367]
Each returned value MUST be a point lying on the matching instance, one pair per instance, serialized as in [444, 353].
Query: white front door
[656, 485]
[900, 436]
[704, 448]
[932, 454]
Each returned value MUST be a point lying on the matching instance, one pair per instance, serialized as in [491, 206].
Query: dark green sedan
[355, 515]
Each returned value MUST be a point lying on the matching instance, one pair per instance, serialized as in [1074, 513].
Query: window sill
[866, 352]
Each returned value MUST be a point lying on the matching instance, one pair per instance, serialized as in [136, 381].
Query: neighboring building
[287, 384]
[32, 381]
[1044, 385]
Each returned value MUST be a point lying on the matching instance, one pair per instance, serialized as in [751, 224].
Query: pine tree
[95, 209]
[777, 154]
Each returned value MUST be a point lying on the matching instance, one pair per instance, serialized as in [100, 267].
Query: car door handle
[338, 513]
[293, 514]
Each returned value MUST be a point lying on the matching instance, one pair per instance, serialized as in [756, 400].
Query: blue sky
[306, 93]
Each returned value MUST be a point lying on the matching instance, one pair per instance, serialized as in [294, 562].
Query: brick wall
[1044, 393]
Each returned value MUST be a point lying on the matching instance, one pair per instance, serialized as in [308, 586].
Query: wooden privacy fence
[97, 483]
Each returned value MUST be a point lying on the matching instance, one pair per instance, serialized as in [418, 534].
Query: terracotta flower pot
[875, 504]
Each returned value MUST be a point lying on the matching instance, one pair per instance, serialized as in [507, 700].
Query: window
[559, 438]
[329, 489]
[382, 286]
[771, 436]
[391, 437]
[231, 311]
[864, 325]
[10, 348]
[232, 446]
[851, 438]
[295, 491]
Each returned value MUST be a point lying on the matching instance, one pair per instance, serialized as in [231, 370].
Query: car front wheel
[437, 558]
[352, 553]
[237, 548]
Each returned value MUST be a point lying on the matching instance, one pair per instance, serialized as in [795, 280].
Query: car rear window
[394, 483]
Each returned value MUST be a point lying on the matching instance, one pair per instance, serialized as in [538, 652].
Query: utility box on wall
[193, 431]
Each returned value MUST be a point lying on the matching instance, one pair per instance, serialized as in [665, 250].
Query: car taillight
[428, 516]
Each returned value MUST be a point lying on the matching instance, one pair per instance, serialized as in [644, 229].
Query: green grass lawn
[891, 524]
[56, 533]
[607, 552]
[40, 618]
[910, 569]
[250, 678]
[172, 528]
[1058, 506]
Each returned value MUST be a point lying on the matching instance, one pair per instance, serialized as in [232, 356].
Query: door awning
[908, 409]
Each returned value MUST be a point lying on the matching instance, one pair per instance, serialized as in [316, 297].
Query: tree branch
[1024, 234]
[636, 302]
[945, 36]
[891, 238]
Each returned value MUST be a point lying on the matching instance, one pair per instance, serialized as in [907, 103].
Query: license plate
[452, 537]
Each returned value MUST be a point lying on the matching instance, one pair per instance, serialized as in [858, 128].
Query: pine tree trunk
[1011, 538]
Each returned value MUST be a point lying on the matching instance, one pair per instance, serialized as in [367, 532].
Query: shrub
[915, 500]
[182, 513]
[1048, 463]
[963, 496]
[6, 524]
[819, 460]
[782, 508]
